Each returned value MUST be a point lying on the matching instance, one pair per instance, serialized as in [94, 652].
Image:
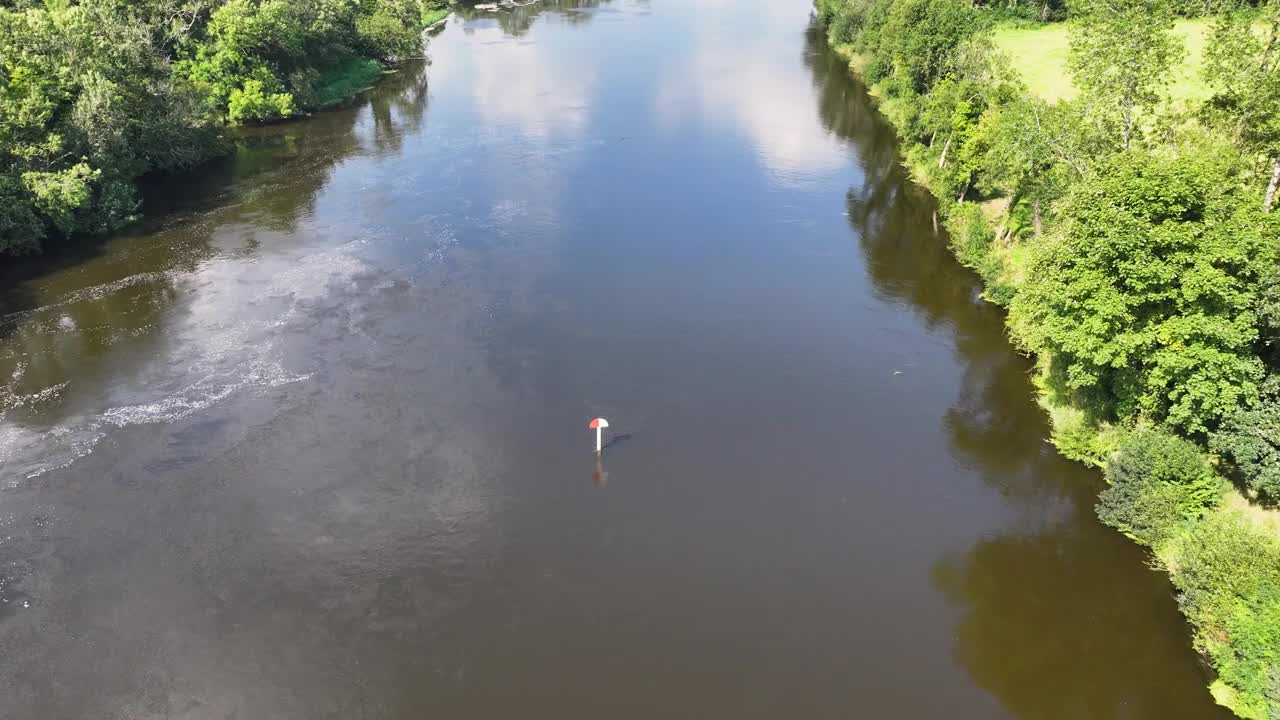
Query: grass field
[1040, 54]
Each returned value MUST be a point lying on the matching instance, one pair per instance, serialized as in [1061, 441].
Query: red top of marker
[598, 423]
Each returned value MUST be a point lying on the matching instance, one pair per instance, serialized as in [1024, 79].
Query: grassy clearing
[344, 80]
[1040, 54]
[431, 17]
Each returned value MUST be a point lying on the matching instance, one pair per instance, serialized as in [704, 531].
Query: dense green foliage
[1157, 483]
[1145, 301]
[1228, 576]
[94, 93]
[1249, 440]
[1133, 242]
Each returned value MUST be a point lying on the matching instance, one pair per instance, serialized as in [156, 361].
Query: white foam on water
[222, 337]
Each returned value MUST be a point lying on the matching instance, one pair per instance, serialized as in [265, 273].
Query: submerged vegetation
[94, 93]
[1110, 169]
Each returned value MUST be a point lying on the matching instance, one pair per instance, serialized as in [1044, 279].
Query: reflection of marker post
[598, 424]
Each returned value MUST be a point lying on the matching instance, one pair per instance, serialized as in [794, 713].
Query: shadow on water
[1047, 601]
[616, 440]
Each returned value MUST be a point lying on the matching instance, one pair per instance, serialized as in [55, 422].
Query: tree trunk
[1127, 114]
[945, 147]
[1036, 215]
[1271, 186]
[1271, 45]
[935, 222]
[967, 184]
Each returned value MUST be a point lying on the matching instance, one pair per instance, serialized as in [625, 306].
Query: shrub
[1227, 572]
[844, 28]
[1249, 440]
[255, 103]
[385, 36]
[20, 228]
[60, 196]
[972, 241]
[1157, 484]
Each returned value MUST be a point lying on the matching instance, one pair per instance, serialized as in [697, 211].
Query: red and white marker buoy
[598, 424]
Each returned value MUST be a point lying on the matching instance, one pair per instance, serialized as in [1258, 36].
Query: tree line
[1133, 241]
[95, 93]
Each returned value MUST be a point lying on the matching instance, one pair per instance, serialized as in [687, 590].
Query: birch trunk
[1271, 186]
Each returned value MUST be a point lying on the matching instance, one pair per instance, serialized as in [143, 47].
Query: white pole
[599, 424]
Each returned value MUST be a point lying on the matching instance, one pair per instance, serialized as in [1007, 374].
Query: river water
[311, 441]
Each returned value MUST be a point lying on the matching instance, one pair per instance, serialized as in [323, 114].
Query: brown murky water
[312, 443]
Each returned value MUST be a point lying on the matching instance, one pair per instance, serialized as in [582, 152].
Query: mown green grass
[345, 79]
[1040, 55]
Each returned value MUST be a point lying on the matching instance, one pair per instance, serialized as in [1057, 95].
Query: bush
[1249, 440]
[255, 103]
[1228, 575]
[20, 228]
[59, 196]
[972, 241]
[386, 37]
[1157, 484]
[844, 29]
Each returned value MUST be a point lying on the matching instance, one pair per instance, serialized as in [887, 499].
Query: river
[311, 441]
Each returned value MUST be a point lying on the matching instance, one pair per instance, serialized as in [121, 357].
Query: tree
[1035, 151]
[920, 39]
[94, 93]
[1146, 300]
[1120, 55]
[85, 106]
[1241, 66]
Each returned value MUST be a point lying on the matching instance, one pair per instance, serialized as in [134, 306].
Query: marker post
[598, 425]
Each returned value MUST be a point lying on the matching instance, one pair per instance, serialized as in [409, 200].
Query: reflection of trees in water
[64, 314]
[517, 19]
[1061, 622]
[1058, 619]
[993, 425]
[398, 105]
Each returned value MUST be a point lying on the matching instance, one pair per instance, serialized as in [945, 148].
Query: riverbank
[96, 95]
[1219, 546]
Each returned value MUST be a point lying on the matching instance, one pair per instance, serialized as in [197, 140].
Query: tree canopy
[94, 93]
[1147, 300]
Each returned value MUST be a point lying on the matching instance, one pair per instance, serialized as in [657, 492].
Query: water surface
[311, 441]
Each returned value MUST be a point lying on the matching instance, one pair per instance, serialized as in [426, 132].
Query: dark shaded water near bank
[312, 443]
